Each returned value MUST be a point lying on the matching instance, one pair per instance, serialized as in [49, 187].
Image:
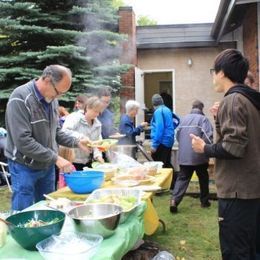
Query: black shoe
[173, 207]
[205, 205]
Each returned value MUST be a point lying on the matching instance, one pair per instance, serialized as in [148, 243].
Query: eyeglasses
[58, 93]
[212, 71]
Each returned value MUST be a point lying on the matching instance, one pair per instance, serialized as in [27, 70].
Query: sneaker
[205, 205]
[173, 207]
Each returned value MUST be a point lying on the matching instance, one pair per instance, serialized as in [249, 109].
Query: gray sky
[176, 11]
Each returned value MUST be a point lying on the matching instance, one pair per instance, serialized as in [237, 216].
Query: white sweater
[81, 128]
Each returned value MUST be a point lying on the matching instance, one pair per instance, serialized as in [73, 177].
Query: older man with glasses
[33, 136]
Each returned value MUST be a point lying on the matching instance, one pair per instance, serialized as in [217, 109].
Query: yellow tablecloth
[151, 218]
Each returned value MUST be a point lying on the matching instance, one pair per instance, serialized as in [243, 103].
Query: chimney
[127, 26]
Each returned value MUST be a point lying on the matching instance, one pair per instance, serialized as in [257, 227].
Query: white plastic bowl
[154, 165]
[69, 245]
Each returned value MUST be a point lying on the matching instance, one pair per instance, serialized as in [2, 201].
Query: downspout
[258, 43]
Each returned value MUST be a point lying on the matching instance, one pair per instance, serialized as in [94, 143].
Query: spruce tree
[79, 34]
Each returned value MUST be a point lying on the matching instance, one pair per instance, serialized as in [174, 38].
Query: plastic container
[83, 182]
[109, 169]
[69, 245]
[157, 164]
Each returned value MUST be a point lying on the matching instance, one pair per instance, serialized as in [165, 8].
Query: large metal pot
[127, 149]
[101, 219]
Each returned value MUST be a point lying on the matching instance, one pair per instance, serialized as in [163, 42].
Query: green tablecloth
[114, 247]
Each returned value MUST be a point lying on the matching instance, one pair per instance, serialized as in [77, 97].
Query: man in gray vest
[196, 123]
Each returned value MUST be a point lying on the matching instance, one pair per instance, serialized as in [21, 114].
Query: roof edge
[181, 25]
[219, 20]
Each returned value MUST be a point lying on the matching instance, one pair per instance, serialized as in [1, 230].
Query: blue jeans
[29, 185]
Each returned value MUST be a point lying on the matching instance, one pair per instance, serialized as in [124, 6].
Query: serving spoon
[49, 197]
[7, 222]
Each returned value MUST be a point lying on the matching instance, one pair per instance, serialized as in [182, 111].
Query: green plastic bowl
[28, 237]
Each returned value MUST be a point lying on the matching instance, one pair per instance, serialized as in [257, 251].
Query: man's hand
[83, 144]
[197, 144]
[64, 165]
[144, 124]
[100, 159]
[214, 109]
[153, 150]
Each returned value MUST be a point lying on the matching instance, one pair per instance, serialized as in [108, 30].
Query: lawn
[192, 234]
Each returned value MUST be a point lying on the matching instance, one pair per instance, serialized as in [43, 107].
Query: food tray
[121, 192]
[128, 180]
[69, 245]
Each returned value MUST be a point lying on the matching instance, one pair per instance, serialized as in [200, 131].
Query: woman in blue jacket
[127, 126]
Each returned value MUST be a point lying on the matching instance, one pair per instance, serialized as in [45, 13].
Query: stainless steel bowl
[127, 149]
[101, 219]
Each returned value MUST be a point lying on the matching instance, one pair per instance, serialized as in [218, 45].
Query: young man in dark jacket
[237, 152]
[193, 123]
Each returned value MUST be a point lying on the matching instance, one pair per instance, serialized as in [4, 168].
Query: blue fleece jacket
[162, 129]
[127, 127]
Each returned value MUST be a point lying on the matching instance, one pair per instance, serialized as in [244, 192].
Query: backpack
[175, 120]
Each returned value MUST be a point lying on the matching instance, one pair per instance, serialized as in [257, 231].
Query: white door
[139, 94]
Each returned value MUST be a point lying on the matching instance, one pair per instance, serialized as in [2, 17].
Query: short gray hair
[56, 73]
[197, 104]
[131, 104]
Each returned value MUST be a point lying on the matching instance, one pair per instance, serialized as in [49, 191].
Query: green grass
[5, 196]
[191, 234]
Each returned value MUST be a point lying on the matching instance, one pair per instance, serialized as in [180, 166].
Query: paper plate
[148, 179]
[117, 136]
[148, 188]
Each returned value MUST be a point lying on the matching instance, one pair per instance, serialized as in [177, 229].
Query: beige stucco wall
[191, 82]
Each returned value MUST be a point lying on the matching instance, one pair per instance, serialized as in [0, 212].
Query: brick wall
[127, 26]
[250, 39]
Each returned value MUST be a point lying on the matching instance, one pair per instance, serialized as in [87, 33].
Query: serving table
[151, 218]
[113, 248]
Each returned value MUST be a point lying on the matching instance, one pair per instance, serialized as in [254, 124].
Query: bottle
[164, 255]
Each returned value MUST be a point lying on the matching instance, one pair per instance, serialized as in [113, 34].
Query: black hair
[233, 64]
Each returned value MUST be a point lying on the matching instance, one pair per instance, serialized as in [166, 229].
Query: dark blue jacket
[106, 118]
[127, 128]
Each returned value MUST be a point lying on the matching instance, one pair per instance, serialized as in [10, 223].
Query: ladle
[48, 197]
[7, 222]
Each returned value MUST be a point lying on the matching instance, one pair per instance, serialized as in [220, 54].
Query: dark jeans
[183, 180]
[29, 185]
[258, 235]
[163, 154]
[237, 228]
